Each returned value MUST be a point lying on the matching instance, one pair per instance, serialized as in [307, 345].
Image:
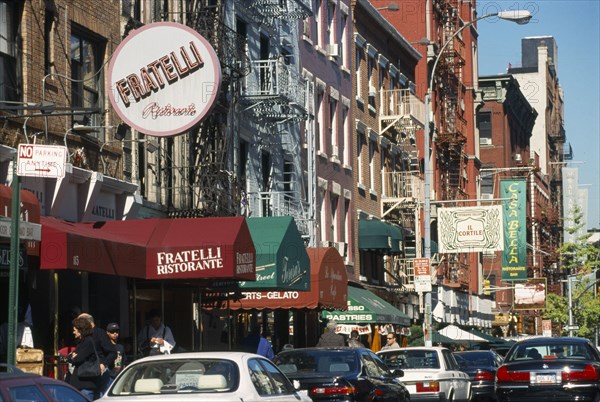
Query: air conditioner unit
[485, 141]
[487, 196]
[372, 91]
[518, 158]
[333, 50]
[326, 243]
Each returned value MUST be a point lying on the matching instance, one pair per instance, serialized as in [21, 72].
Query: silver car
[430, 373]
[203, 376]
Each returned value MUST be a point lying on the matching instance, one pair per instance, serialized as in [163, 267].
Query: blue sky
[575, 26]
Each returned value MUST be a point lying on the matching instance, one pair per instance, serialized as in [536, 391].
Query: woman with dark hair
[84, 351]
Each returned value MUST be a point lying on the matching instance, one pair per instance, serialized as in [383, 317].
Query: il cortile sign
[163, 79]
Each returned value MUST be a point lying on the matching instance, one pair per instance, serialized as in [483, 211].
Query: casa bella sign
[163, 79]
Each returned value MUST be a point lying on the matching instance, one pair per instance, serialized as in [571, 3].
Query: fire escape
[451, 136]
[273, 99]
[400, 116]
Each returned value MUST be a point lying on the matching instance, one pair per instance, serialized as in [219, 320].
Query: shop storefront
[301, 310]
[369, 314]
[170, 264]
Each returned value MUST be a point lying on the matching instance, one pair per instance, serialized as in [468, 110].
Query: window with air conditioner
[484, 124]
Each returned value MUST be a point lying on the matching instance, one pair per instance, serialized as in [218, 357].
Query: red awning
[30, 212]
[195, 248]
[328, 287]
[67, 245]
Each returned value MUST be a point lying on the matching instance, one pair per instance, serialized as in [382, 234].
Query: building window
[344, 39]
[333, 132]
[331, 28]
[360, 142]
[320, 140]
[334, 233]
[344, 150]
[359, 89]
[9, 76]
[484, 124]
[86, 75]
[372, 167]
[319, 23]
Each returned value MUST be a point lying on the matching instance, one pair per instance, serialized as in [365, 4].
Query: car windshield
[550, 350]
[305, 363]
[411, 359]
[475, 359]
[178, 376]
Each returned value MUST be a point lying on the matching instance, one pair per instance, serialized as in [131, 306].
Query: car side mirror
[296, 385]
[398, 373]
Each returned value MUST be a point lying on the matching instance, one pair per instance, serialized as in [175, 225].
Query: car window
[282, 384]
[412, 359]
[449, 360]
[26, 393]
[549, 351]
[63, 394]
[261, 380]
[300, 363]
[372, 368]
[185, 375]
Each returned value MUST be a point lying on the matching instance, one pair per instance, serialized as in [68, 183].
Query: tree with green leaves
[582, 259]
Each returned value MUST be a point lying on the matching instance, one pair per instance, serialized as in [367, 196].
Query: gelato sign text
[163, 78]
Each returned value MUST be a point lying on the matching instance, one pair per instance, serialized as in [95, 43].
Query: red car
[16, 385]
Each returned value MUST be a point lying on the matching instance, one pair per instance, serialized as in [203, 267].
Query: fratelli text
[189, 261]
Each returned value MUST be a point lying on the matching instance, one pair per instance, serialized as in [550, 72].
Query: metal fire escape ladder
[215, 192]
[451, 136]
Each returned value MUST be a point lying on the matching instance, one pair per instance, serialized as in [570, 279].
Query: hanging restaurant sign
[163, 78]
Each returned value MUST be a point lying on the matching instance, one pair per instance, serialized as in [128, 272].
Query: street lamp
[518, 16]
[390, 7]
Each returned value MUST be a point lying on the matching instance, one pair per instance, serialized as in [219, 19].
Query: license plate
[545, 379]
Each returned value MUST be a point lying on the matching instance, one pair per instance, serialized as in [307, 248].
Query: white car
[430, 373]
[203, 376]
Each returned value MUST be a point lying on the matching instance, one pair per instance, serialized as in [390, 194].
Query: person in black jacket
[107, 353]
[84, 351]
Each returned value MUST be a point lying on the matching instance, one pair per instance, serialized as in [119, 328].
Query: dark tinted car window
[26, 393]
[551, 350]
[476, 359]
[63, 394]
[304, 362]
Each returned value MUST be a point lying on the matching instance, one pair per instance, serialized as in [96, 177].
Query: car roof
[200, 355]
[552, 340]
[431, 348]
[324, 348]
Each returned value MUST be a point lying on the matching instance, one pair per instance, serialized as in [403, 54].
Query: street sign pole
[13, 291]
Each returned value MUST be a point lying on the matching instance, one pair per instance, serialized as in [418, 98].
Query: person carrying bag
[85, 372]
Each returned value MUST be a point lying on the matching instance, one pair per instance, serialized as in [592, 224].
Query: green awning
[366, 307]
[281, 258]
[374, 234]
[396, 232]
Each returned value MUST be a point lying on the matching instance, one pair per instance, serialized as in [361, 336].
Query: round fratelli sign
[163, 78]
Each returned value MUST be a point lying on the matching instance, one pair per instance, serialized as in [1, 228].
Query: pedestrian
[255, 342]
[330, 338]
[84, 351]
[354, 340]
[113, 331]
[391, 342]
[106, 352]
[155, 338]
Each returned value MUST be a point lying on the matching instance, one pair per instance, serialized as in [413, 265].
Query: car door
[270, 383]
[380, 376]
[460, 380]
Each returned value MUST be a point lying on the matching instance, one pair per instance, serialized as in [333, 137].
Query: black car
[481, 366]
[15, 385]
[342, 374]
[550, 369]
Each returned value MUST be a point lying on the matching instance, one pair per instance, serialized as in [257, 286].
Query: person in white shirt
[155, 338]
